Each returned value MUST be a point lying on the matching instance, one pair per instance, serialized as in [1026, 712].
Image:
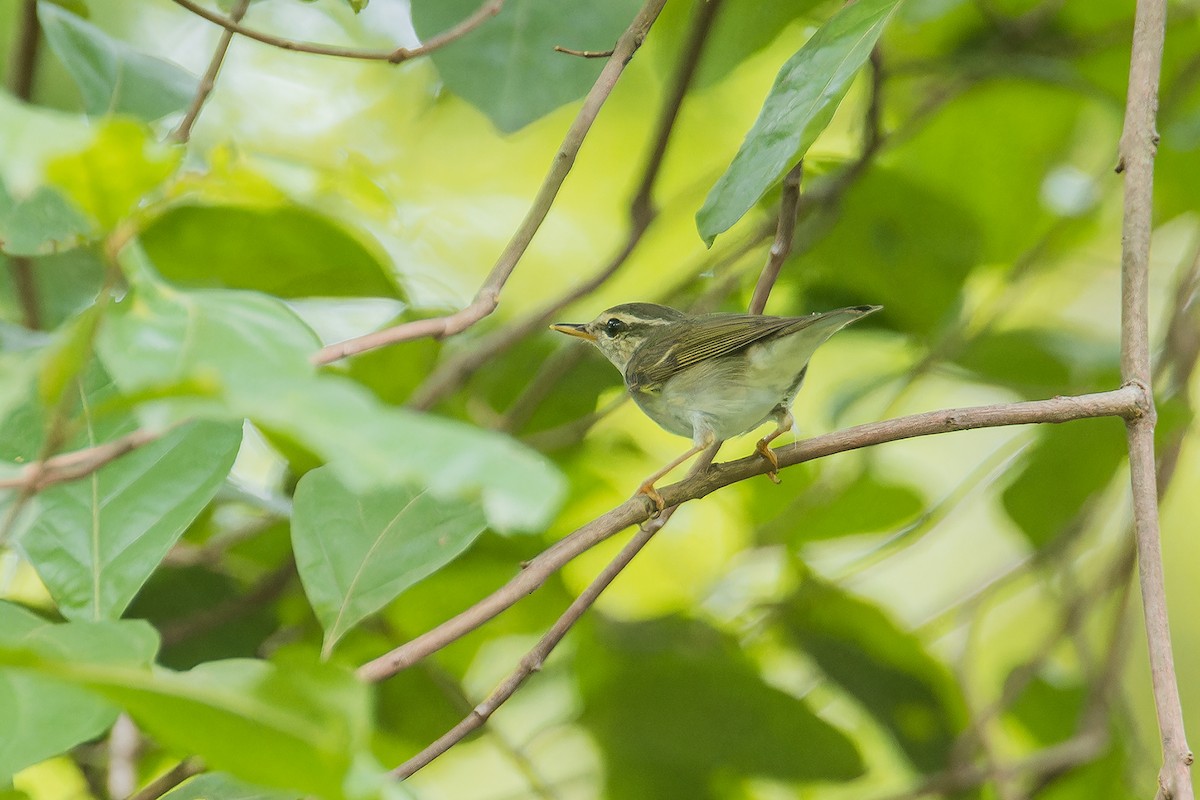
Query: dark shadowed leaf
[885, 668]
[799, 106]
[674, 705]
[1070, 464]
[43, 222]
[507, 67]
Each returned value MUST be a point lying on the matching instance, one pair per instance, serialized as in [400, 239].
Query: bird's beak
[572, 329]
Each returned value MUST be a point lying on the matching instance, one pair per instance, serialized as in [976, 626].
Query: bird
[710, 377]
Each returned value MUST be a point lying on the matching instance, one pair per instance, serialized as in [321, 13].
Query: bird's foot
[766, 452]
[648, 490]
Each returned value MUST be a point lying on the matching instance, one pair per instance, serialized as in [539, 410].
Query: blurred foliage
[936, 608]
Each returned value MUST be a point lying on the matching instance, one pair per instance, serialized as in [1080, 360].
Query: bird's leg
[647, 487]
[784, 424]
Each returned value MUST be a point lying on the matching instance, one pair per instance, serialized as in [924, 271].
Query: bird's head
[621, 330]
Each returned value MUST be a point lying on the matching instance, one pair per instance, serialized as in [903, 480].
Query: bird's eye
[614, 326]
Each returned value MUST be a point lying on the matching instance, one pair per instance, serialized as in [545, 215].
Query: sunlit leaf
[799, 106]
[115, 172]
[886, 669]
[507, 67]
[113, 77]
[44, 718]
[357, 551]
[95, 541]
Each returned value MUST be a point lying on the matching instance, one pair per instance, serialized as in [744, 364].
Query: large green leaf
[1070, 464]
[886, 669]
[674, 705]
[295, 726]
[223, 786]
[357, 551]
[799, 106]
[95, 541]
[507, 67]
[113, 77]
[1042, 361]
[43, 718]
[287, 252]
[230, 354]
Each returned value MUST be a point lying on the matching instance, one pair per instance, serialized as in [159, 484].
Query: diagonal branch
[1139, 141]
[488, 296]
[232, 24]
[184, 131]
[1129, 401]
[450, 374]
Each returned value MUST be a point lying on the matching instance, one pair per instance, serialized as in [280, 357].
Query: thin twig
[78, 463]
[789, 206]
[1139, 142]
[21, 78]
[488, 296]
[558, 48]
[184, 131]
[1126, 401]
[485, 11]
[448, 376]
[170, 779]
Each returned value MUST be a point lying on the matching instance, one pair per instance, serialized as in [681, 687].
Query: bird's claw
[652, 494]
[766, 452]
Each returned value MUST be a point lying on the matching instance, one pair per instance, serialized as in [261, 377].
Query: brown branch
[1139, 141]
[488, 296]
[79, 463]
[485, 11]
[184, 131]
[448, 376]
[20, 83]
[170, 779]
[1127, 401]
[558, 48]
[789, 207]
[535, 658]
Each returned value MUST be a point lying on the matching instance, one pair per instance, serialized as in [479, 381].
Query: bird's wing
[713, 337]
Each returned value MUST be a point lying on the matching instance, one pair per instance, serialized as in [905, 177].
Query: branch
[485, 11]
[535, 658]
[450, 375]
[184, 132]
[77, 464]
[1127, 401]
[170, 779]
[1138, 144]
[488, 296]
[789, 207]
[21, 76]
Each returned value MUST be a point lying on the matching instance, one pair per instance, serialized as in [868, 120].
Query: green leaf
[1040, 362]
[95, 541]
[222, 786]
[1070, 464]
[43, 222]
[807, 91]
[43, 718]
[122, 165]
[287, 252]
[356, 552]
[297, 726]
[228, 354]
[673, 704]
[880, 251]
[507, 67]
[113, 77]
[886, 669]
